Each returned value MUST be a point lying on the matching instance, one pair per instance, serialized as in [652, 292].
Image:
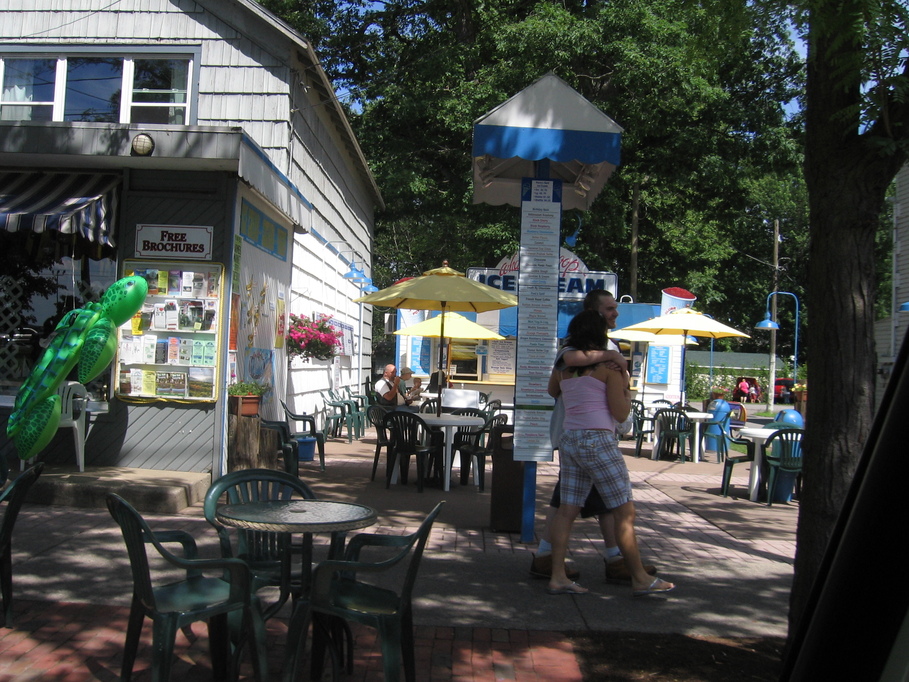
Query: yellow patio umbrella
[683, 322]
[443, 289]
[456, 327]
[628, 334]
[634, 335]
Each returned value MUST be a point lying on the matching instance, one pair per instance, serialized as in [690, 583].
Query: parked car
[782, 390]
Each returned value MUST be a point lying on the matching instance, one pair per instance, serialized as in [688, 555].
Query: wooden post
[248, 446]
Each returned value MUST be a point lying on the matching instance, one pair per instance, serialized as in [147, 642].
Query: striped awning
[70, 203]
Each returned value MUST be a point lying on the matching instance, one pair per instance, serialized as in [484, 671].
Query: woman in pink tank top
[595, 398]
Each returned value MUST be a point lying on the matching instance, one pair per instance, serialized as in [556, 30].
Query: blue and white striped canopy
[70, 203]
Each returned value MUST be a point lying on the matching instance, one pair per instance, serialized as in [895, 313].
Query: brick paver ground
[55, 639]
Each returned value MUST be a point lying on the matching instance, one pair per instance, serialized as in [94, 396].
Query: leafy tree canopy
[702, 107]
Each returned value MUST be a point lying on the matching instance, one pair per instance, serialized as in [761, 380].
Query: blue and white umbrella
[547, 123]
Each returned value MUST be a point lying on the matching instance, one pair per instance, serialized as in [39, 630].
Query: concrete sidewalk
[479, 613]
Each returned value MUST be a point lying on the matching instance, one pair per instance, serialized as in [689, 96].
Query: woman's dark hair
[587, 331]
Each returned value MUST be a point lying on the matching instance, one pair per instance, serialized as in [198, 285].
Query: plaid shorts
[592, 458]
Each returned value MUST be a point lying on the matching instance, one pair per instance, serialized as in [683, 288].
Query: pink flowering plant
[312, 338]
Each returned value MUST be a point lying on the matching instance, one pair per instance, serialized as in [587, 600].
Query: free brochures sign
[174, 241]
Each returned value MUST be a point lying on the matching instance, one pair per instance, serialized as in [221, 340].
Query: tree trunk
[245, 446]
[847, 179]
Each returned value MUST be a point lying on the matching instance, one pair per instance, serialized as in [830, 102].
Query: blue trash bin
[784, 486]
[793, 417]
[306, 448]
[720, 411]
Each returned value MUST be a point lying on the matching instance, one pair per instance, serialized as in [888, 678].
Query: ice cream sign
[575, 280]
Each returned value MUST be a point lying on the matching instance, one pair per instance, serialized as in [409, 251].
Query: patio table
[449, 422]
[299, 516]
[696, 419]
[757, 436]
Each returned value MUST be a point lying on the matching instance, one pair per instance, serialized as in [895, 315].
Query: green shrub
[248, 388]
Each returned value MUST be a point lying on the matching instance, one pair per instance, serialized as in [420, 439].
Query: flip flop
[653, 589]
[573, 588]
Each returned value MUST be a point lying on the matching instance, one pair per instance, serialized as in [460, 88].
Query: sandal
[571, 588]
[658, 586]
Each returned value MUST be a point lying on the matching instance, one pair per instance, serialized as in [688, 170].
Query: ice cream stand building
[198, 145]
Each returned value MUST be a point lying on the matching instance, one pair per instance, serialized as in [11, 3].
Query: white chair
[70, 392]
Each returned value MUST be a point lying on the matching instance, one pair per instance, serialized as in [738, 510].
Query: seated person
[404, 391]
[388, 388]
[414, 391]
[436, 378]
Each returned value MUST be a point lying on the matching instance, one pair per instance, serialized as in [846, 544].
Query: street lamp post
[367, 287]
[769, 324]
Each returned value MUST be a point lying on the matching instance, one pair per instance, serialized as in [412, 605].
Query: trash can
[506, 495]
[720, 410]
[784, 486]
[793, 417]
[306, 448]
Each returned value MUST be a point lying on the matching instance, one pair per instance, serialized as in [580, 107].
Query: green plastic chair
[782, 452]
[14, 495]
[339, 591]
[722, 424]
[472, 445]
[674, 431]
[731, 460]
[288, 445]
[492, 407]
[195, 598]
[410, 435]
[266, 553]
[353, 414]
[376, 415]
[336, 416]
[643, 425]
[430, 406]
[361, 399]
[309, 425]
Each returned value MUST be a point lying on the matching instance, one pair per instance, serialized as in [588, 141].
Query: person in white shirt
[388, 388]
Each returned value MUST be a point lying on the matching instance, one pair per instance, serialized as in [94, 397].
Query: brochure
[201, 382]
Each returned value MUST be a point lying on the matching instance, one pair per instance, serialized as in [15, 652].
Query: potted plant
[312, 338]
[717, 392]
[245, 397]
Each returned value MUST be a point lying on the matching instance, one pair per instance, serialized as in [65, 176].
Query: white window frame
[190, 55]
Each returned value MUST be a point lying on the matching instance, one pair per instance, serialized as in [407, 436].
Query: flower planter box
[244, 405]
[800, 401]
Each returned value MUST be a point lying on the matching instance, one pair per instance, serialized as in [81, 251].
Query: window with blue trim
[261, 231]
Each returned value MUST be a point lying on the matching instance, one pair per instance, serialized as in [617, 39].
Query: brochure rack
[171, 348]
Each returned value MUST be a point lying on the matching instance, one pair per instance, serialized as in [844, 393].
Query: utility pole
[633, 261]
[775, 286]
